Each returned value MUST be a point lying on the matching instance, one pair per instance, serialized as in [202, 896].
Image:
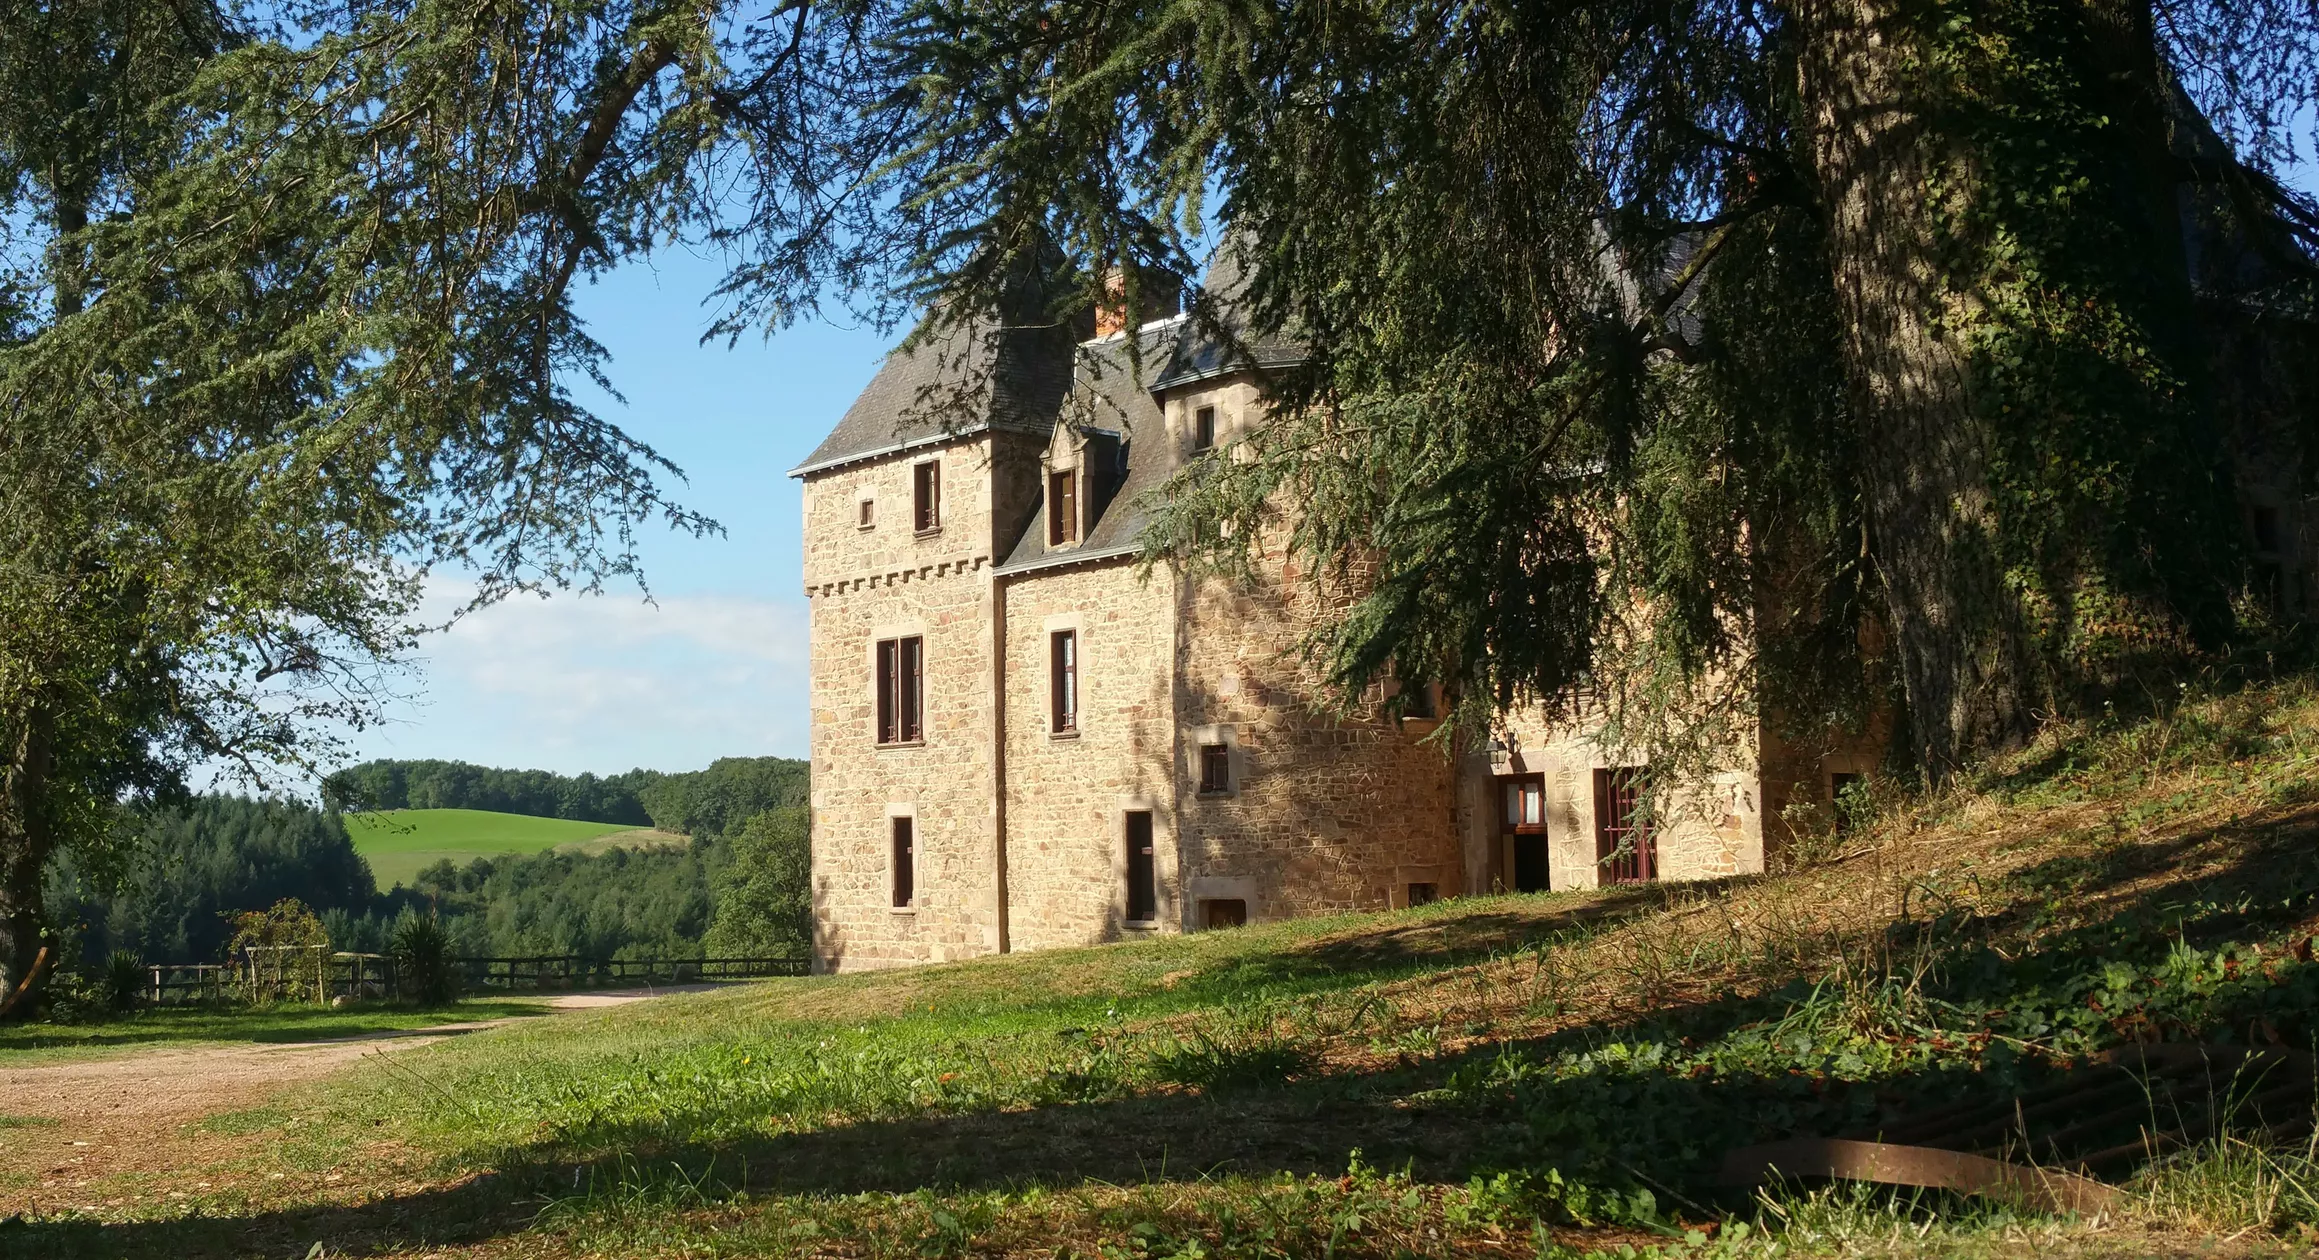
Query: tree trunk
[25, 843]
[1959, 634]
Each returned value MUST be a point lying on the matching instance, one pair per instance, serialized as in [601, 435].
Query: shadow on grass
[1664, 1125]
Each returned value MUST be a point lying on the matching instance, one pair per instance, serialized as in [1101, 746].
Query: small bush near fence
[424, 968]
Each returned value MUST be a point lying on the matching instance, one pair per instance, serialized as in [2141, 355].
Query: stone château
[1022, 740]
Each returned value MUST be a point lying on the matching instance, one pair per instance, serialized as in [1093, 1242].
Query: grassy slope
[401, 843]
[1512, 1070]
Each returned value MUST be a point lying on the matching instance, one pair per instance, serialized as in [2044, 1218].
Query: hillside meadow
[400, 843]
[1518, 1075]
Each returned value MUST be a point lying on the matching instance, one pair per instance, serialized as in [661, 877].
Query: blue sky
[715, 666]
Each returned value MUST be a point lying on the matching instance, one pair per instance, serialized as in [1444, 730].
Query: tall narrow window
[1142, 872]
[1523, 824]
[1062, 508]
[869, 513]
[1063, 677]
[1215, 768]
[905, 862]
[1622, 841]
[1203, 428]
[901, 690]
[926, 496]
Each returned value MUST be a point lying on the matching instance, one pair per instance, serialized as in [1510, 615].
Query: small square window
[926, 496]
[1424, 894]
[1215, 768]
[1203, 428]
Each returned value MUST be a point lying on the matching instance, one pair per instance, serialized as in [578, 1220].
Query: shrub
[283, 951]
[425, 970]
[124, 979]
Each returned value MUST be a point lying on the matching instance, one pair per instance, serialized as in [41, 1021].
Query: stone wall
[1323, 813]
[1067, 795]
[888, 581]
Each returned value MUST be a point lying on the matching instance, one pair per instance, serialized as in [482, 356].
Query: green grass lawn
[1509, 1076]
[400, 843]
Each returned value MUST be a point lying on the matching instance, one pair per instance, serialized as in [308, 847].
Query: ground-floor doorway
[1522, 823]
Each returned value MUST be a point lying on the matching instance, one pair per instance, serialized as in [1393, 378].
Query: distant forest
[738, 889]
[711, 802]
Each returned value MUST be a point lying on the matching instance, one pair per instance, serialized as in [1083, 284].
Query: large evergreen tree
[1672, 351]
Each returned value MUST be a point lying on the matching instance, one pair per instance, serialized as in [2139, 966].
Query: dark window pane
[1203, 428]
[1215, 768]
[1142, 870]
[888, 691]
[912, 684]
[905, 861]
[928, 496]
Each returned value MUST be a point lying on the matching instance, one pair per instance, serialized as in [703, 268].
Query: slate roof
[1219, 343]
[969, 377]
[1107, 395]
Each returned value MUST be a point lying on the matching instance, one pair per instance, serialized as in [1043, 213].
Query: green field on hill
[400, 843]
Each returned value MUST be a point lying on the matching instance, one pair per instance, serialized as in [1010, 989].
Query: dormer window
[1203, 429]
[926, 496]
[1062, 507]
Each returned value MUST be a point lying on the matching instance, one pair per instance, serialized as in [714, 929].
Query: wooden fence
[360, 976]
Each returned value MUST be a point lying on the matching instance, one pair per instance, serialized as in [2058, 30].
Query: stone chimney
[1111, 308]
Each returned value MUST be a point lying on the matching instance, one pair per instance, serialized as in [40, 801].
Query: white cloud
[604, 683]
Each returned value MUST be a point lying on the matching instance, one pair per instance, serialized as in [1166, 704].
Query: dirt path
[82, 1124]
[171, 1084]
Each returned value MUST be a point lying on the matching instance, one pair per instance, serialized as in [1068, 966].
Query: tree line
[713, 801]
[739, 887]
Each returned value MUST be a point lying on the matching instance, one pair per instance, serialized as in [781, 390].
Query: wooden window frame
[902, 860]
[1142, 866]
[1213, 757]
[901, 687]
[1062, 507]
[926, 496]
[865, 513]
[1203, 429]
[1063, 682]
[1617, 797]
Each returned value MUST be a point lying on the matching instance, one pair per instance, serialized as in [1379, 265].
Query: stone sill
[1225, 795]
[901, 909]
[1073, 733]
[927, 533]
[910, 743]
[1140, 925]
